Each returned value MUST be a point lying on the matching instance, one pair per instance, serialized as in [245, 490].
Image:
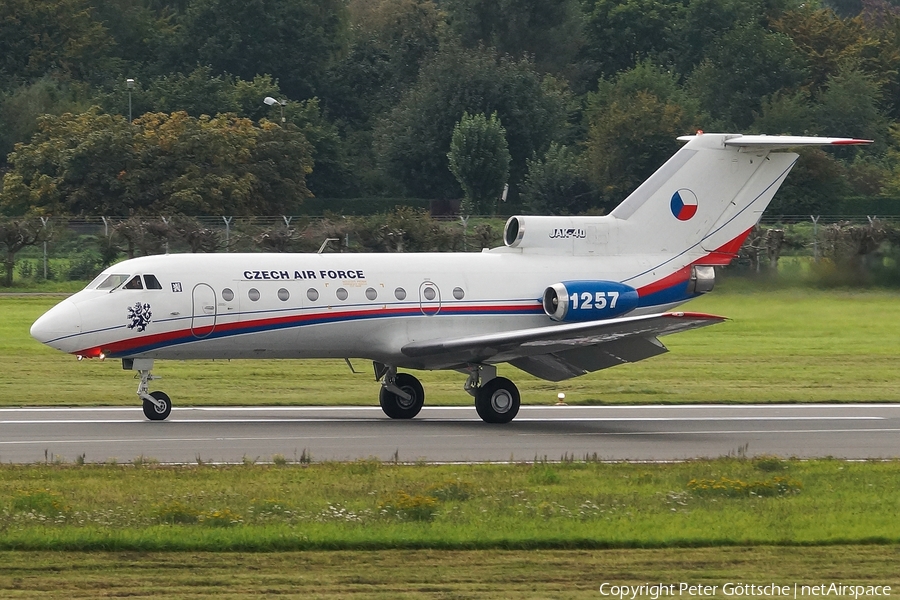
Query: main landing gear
[402, 396]
[157, 405]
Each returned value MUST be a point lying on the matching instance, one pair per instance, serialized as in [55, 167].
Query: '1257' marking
[598, 300]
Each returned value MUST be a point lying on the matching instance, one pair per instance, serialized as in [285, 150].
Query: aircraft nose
[58, 324]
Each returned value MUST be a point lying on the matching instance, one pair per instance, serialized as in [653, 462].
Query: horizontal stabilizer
[774, 142]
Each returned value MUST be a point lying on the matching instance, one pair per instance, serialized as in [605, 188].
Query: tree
[557, 183]
[632, 125]
[815, 186]
[547, 30]
[295, 41]
[99, 164]
[849, 106]
[786, 113]
[16, 234]
[73, 164]
[389, 42]
[479, 159]
[20, 109]
[142, 234]
[730, 82]
[413, 140]
[51, 37]
[198, 237]
[621, 34]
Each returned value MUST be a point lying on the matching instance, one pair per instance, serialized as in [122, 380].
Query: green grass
[411, 574]
[784, 345]
[373, 505]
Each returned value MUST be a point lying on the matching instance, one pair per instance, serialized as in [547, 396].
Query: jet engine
[588, 300]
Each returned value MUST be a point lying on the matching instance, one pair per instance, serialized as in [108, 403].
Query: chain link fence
[77, 248]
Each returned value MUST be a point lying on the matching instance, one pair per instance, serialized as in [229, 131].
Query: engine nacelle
[588, 300]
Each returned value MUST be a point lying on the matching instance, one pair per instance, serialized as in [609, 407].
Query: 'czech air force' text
[288, 275]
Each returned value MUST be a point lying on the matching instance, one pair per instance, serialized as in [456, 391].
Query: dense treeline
[588, 97]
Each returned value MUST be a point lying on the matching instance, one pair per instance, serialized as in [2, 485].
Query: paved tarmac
[451, 434]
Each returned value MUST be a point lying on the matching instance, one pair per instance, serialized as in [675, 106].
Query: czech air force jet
[563, 296]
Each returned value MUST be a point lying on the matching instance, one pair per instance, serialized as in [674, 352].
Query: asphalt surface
[451, 434]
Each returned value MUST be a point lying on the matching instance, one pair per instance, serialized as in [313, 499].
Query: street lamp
[129, 83]
[270, 101]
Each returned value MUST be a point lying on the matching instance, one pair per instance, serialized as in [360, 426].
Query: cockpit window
[134, 284]
[152, 283]
[112, 282]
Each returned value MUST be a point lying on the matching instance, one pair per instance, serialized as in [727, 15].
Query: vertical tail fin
[710, 193]
[700, 204]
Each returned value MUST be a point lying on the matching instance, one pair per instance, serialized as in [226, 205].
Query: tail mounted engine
[588, 300]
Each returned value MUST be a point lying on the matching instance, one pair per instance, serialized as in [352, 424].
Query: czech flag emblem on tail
[684, 204]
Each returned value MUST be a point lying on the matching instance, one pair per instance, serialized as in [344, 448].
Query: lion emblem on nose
[139, 315]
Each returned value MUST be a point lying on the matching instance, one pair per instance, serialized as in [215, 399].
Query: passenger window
[400, 294]
[134, 284]
[227, 295]
[151, 282]
[341, 294]
[283, 295]
[458, 293]
[253, 294]
[371, 294]
[312, 294]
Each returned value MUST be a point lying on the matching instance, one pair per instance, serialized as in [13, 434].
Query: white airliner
[563, 297]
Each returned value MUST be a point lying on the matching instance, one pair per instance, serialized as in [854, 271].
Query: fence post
[815, 221]
[166, 223]
[44, 221]
[465, 223]
[227, 231]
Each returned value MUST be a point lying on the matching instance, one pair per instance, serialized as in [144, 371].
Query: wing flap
[570, 349]
[558, 366]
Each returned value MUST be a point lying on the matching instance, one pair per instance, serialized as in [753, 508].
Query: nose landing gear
[156, 405]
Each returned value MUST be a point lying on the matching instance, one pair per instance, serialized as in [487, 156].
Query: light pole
[129, 83]
[270, 101]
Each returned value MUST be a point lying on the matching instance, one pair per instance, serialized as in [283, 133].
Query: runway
[451, 434]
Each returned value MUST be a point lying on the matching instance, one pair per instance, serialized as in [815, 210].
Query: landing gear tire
[154, 412]
[397, 407]
[497, 401]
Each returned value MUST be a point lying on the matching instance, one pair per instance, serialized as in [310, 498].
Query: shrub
[175, 512]
[42, 502]
[406, 507]
[224, 517]
[736, 488]
[543, 475]
[451, 489]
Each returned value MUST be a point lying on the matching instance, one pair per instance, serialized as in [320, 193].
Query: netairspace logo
[655, 591]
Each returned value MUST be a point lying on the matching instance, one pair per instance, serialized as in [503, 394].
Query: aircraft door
[429, 298]
[203, 320]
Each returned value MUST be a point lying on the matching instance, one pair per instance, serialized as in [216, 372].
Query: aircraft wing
[563, 351]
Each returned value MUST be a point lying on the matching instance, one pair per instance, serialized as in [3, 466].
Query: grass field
[407, 574]
[378, 530]
[374, 505]
[787, 345]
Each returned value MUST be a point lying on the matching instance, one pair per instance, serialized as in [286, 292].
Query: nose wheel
[156, 405]
[158, 408]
